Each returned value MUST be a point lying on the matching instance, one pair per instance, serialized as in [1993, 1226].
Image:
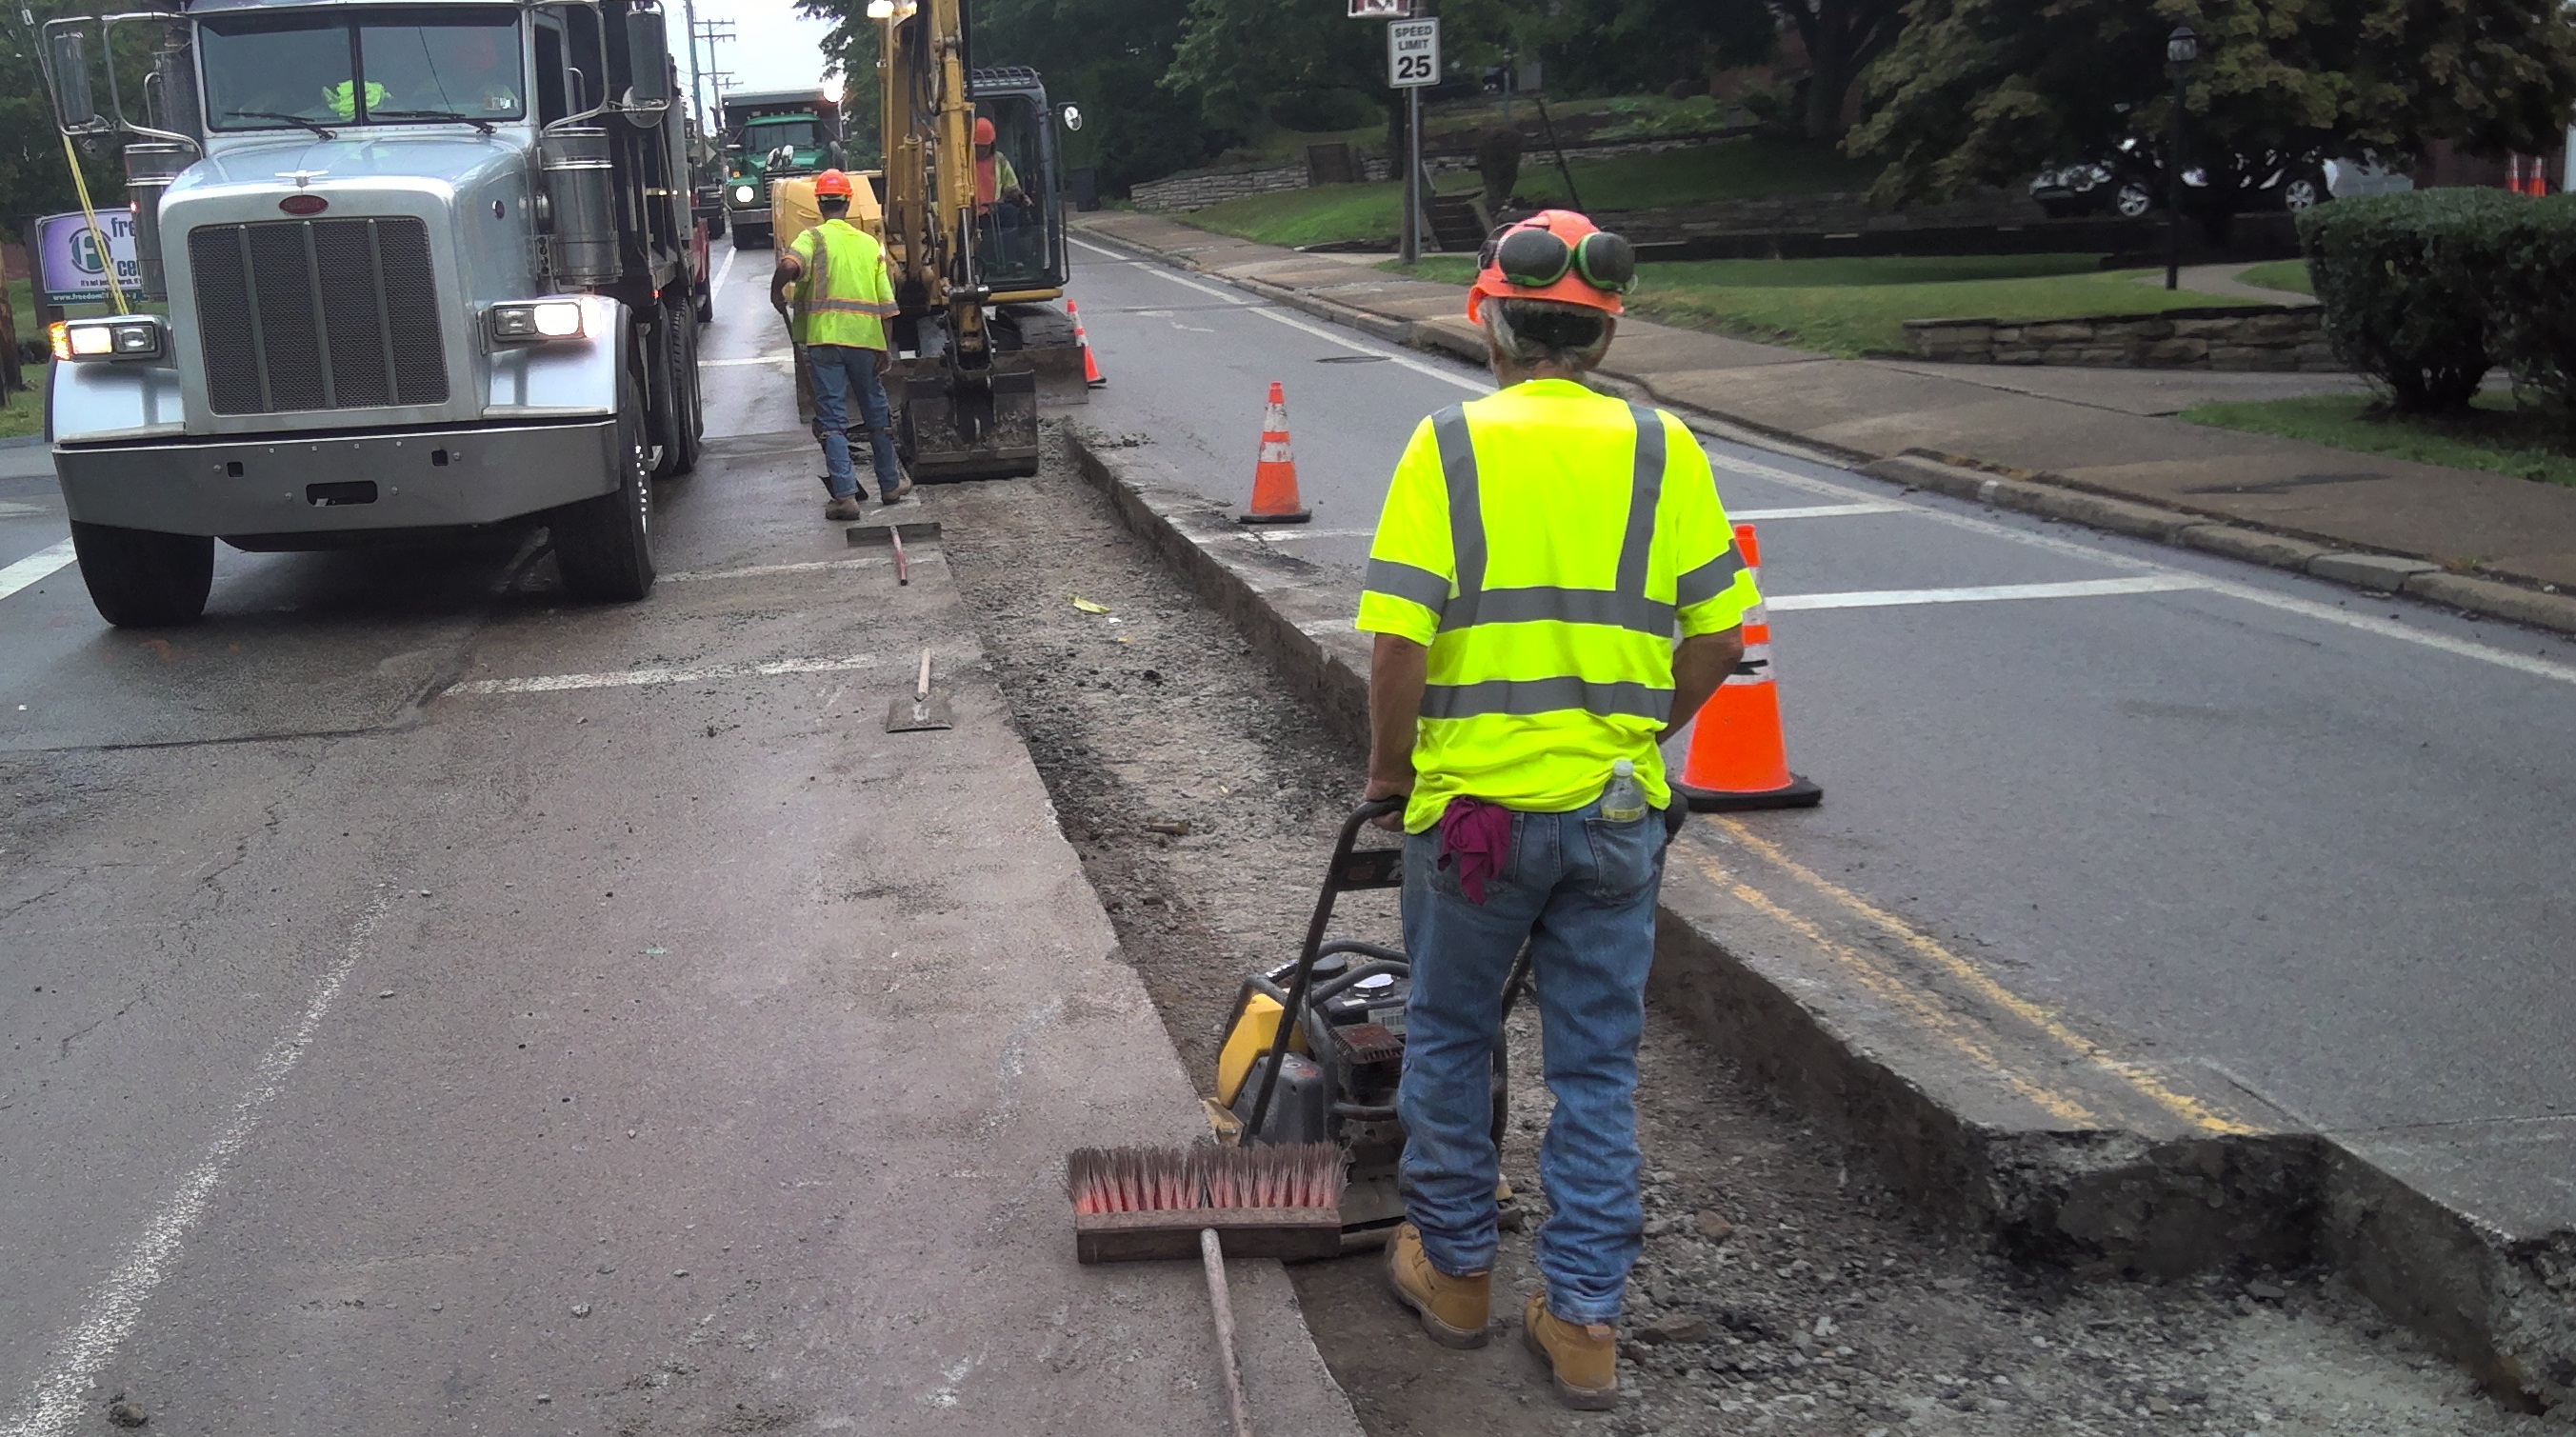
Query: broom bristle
[1107, 1180]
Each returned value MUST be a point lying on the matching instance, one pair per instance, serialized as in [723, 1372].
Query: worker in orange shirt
[998, 197]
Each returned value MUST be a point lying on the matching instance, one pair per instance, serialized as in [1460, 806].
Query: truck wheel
[140, 579]
[666, 410]
[604, 546]
[680, 350]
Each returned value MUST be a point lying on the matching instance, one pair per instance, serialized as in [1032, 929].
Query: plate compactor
[1331, 1075]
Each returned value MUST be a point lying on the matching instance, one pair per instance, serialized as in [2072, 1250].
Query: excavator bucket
[960, 428]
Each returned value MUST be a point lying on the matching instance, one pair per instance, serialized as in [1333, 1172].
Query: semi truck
[771, 136]
[428, 269]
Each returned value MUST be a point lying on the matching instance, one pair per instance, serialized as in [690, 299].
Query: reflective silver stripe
[1466, 512]
[1645, 495]
[1565, 606]
[1626, 606]
[1540, 696]
[852, 306]
[1408, 581]
[1710, 579]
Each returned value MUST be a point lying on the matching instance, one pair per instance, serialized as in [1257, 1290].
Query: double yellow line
[1928, 1009]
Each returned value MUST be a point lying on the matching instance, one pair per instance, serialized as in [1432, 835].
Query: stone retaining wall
[2280, 337]
[1197, 189]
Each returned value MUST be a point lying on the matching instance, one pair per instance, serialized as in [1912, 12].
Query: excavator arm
[968, 376]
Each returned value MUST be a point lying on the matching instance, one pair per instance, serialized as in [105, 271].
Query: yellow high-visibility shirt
[1546, 543]
[845, 295]
[343, 98]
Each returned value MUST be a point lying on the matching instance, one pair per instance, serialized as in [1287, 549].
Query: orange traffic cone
[1274, 478]
[1737, 760]
[1090, 364]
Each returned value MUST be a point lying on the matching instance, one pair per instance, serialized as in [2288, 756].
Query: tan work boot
[845, 506]
[1583, 1359]
[1454, 1309]
[902, 488]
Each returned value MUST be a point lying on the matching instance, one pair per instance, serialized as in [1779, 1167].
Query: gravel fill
[1781, 1289]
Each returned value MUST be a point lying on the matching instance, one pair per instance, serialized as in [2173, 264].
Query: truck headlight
[744, 194]
[537, 322]
[125, 336]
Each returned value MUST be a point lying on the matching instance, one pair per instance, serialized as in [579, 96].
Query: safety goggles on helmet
[1530, 257]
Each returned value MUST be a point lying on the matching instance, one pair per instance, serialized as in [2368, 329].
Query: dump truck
[428, 269]
[769, 137]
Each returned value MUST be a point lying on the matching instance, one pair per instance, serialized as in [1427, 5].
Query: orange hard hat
[1554, 254]
[983, 131]
[831, 182]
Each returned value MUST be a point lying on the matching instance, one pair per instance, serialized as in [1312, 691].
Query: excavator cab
[1019, 212]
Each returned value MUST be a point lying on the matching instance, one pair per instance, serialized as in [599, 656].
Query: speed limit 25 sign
[1412, 53]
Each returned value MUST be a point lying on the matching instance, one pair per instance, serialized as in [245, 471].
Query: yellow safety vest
[845, 295]
[1546, 543]
[343, 98]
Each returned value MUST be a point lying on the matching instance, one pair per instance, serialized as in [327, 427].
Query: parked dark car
[2128, 180]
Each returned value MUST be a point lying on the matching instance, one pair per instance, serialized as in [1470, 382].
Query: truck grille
[317, 314]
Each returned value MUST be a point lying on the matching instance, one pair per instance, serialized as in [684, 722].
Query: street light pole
[2181, 48]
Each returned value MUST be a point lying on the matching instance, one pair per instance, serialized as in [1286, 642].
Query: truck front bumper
[333, 484]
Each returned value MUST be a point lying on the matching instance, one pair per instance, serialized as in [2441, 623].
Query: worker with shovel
[836, 272]
[1538, 552]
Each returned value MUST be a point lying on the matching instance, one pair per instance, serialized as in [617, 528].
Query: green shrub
[2531, 311]
[2408, 282]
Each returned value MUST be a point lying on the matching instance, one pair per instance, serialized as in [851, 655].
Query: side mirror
[72, 103]
[1072, 117]
[648, 60]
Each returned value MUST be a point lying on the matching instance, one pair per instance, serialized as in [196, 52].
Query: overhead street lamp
[2181, 48]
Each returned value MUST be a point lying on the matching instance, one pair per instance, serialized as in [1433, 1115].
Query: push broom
[1132, 1204]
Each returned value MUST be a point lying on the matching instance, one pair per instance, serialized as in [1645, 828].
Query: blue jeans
[1580, 890]
[838, 369]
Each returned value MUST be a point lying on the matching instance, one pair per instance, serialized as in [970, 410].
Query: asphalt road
[2309, 842]
[433, 1007]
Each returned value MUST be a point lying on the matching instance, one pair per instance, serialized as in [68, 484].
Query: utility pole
[710, 31]
[697, 82]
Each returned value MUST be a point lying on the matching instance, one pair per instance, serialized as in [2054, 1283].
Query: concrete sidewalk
[2088, 446]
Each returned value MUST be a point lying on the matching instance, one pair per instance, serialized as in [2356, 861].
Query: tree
[1842, 38]
[1980, 92]
[1616, 46]
[34, 178]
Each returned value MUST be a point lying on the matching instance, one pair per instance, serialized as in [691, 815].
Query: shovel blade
[908, 714]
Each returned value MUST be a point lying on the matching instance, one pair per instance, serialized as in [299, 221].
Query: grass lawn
[25, 412]
[1855, 307]
[2493, 435]
[1730, 169]
[2289, 274]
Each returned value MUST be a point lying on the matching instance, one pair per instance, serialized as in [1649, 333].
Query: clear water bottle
[1624, 801]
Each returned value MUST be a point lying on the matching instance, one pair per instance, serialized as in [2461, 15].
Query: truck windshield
[763, 136]
[320, 68]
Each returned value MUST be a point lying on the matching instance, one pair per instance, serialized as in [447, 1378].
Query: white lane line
[788, 358]
[1477, 385]
[2322, 613]
[1340, 339]
[1818, 511]
[11, 509]
[62, 1397]
[715, 286]
[1982, 593]
[641, 678]
[696, 576]
[34, 568]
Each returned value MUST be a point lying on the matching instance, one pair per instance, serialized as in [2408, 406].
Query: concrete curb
[1960, 476]
[2133, 1194]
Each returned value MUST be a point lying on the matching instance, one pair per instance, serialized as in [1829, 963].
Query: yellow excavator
[973, 226]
